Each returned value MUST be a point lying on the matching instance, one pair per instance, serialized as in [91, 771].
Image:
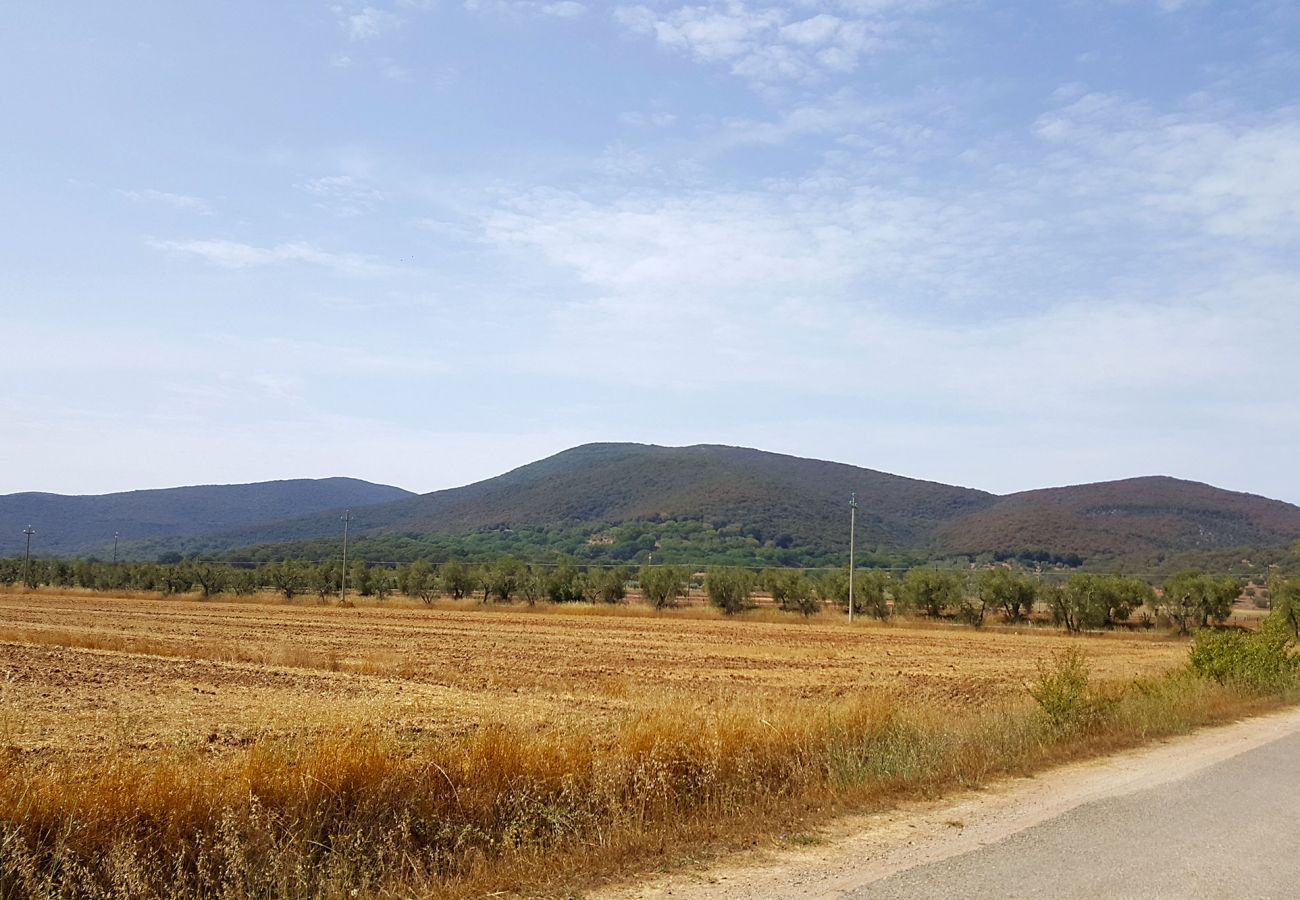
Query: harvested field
[85, 672]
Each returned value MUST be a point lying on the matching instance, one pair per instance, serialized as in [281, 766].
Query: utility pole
[343, 585]
[114, 548]
[853, 528]
[27, 560]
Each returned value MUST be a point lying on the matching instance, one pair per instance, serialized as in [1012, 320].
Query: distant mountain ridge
[84, 524]
[760, 499]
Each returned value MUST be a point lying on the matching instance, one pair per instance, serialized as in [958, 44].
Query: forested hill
[750, 498]
[1121, 518]
[706, 503]
[769, 495]
[86, 524]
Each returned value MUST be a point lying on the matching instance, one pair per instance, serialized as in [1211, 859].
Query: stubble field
[81, 673]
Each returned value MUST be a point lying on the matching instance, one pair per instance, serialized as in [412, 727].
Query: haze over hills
[68, 525]
[619, 502]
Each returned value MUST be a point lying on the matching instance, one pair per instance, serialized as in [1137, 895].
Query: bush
[1064, 692]
[1259, 663]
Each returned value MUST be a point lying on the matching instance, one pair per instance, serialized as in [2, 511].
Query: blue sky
[1004, 245]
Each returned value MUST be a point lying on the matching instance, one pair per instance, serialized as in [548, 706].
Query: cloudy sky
[999, 244]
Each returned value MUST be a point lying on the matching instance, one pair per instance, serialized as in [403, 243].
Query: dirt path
[858, 853]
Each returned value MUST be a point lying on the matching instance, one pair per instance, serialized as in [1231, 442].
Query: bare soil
[82, 672]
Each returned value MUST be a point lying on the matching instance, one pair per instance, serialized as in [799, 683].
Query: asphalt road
[1231, 830]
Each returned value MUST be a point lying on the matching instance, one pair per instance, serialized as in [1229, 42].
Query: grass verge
[373, 813]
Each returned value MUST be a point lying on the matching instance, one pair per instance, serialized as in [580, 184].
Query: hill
[707, 500]
[615, 502]
[72, 525]
[700, 504]
[1118, 518]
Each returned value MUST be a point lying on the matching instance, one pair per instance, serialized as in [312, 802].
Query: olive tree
[729, 589]
[1193, 598]
[662, 585]
[1014, 594]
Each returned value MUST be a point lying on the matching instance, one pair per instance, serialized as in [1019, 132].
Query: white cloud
[368, 23]
[768, 43]
[647, 119]
[236, 255]
[176, 201]
[1220, 174]
[343, 195]
[563, 9]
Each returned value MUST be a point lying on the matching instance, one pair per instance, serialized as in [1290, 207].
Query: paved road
[1230, 830]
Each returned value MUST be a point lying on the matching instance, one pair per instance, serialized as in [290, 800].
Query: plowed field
[86, 672]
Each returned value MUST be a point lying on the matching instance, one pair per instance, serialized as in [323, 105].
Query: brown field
[82, 672]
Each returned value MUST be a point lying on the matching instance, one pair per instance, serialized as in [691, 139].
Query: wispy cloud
[768, 43]
[1220, 173]
[237, 255]
[166, 198]
[561, 9]
[343, 195]
[367, 23]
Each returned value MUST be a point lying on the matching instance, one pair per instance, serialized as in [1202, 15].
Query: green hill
[709, 503]
[1119, 518]
[83, 525]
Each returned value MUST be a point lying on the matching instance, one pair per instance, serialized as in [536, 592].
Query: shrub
[1259, 663]
[1063, 691]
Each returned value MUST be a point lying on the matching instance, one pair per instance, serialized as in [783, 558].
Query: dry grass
[175, 748]
[501, 809]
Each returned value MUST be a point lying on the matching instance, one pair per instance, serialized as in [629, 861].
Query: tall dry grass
[376, 813]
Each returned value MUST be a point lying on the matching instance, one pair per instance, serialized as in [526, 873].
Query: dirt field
[81, 673]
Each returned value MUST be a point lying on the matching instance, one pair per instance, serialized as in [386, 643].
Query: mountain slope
[1115, 518]
[771, 495]
[622, 501]
[769, 492]
[83, 524]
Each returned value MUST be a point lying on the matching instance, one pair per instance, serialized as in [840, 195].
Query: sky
[998, 244]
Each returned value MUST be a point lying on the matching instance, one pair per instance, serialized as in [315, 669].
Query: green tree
[1014, 594]
[532, 586]
[359, 572]
[419, 580]
[1285, 593]
[176, 579]
[382, 582]
[791, 590]
[323, 579]
[1097, 601]
[729, 589]
[871, 590]
[211, 579]
[931, 591]
[565, 584]
[244, 582]
[610, 585]
[662, 585]
[457, 579]
[503, 578]
[286, 577]
[1191, 597]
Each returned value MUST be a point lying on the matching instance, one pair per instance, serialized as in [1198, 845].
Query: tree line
[1082, 601]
